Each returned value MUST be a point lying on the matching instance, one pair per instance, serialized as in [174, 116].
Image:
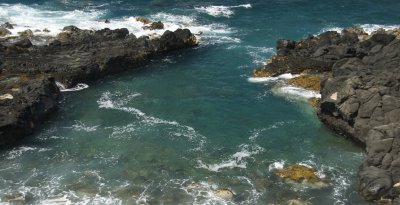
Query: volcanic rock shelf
[28, 73]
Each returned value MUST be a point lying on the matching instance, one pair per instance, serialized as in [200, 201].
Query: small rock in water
[46, 30]
[301, 174]
[7, 25]
[6, 97]
[224, 193]
[143, 20]
[17, 197]
[107, 21]
[154, 26]
[26, 33]
[298, 202]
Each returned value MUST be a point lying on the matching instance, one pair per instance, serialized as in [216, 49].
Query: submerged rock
[298, 173]
[224, 193]
[301, 174]
[298, 202]
[15, 198]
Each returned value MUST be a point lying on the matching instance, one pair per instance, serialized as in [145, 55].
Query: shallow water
[191, 122]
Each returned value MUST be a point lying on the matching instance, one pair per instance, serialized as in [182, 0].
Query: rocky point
[28, 73]
[360, 89]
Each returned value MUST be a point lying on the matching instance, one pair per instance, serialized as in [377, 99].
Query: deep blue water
[188, 123]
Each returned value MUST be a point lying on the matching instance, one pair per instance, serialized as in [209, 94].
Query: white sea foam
[78, 87]
[258, 53]
[108, 101]
[297, 92]
[17, 152]
[284, 76]
[254, 134]
[276, 165]
[237, 160]
[369, 28]
[28, 17]
[80, 126]
[218, 11]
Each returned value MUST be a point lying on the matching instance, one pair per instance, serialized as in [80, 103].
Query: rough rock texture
[28, 72]
[360, 99]
[80, 55]
[32, 101]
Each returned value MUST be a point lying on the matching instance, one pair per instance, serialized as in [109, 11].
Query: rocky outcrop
[301, 174]
[74, 56]
[29, 102]
[360, 95]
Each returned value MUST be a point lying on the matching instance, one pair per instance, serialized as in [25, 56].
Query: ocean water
[193, 121]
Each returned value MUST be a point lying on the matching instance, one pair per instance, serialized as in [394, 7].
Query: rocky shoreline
[359, 77]
[28, 73]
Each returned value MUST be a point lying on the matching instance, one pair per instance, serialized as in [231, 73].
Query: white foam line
[78, 87]
[218, 11]
[298, 92]
[190, 133]
[284, 76]
[237, 160]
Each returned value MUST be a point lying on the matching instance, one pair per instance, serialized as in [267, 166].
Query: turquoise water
[188, 123]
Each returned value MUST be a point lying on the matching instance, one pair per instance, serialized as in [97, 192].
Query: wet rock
[224, 193]
[27, 33]
[314, 102]
[24, 43]
[19, 115]
[308, 82]
[261, 73]
[46, 30]
[4, 32]
[7, 25]
[143, 20]
[17, 197]
[298, 173]
[154, 26]
[301, 174]
[107, 21]
[298, 202]
[374, 182]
